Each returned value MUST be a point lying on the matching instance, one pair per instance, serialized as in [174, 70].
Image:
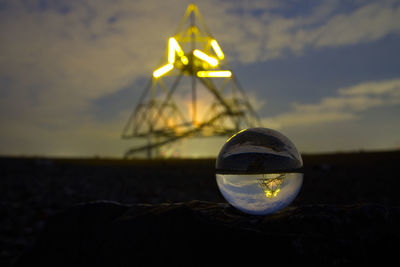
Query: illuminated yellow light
[276, 192]
[192, 7]
[171, 51]
[210, 60]
[184, 60]
[215, 74]
[271, 186]
[271, 194]
[162, 70]
[173, 47]
[217, 49]
[193, 30]
[235, 135]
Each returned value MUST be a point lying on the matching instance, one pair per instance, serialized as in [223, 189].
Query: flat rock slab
[199, 233]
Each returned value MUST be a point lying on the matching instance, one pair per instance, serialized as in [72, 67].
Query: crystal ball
[259, 171]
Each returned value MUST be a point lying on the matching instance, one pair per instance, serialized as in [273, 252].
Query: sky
[324, 73]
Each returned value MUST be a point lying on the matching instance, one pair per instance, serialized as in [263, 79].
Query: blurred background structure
[325, 73]
[162, 117]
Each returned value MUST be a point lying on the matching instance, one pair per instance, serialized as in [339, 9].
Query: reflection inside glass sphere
[260, 194]
[271, 184]
[258, 171]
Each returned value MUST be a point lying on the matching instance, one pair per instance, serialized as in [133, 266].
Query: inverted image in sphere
[258, 171]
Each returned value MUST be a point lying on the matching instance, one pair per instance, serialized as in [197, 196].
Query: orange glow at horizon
[203, 103]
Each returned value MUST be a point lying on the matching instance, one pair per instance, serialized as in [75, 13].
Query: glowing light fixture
[259, 171]
[173, 47]
[192, 52]
[162, 70]
[270, 185]
[184, 60]
[217, 49]
[193, 30]
[203, 56]
[191, 7]
[215, 74]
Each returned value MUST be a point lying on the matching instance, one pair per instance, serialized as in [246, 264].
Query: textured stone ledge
[199, 233]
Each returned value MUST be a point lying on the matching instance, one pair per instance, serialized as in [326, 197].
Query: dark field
[32, 189]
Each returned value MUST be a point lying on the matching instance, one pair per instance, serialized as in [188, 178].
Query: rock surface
[200, 233]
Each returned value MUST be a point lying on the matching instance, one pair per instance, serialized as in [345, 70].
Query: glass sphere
[259, 171]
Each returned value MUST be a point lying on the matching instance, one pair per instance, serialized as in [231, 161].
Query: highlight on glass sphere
[258, 171]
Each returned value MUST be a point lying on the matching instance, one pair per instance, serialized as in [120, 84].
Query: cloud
[368, 23]
[78, 51]
[272, 36]
[348, 104]
[54, 62]
[390, 87]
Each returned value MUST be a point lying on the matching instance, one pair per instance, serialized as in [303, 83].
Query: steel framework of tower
[271, 186]
[162, 116]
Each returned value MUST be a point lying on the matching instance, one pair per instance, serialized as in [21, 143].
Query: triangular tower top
[204, 56]
[192, 53]
[192, 14]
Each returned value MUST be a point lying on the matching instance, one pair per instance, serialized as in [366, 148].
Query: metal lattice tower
[194, 64]
[271, 186]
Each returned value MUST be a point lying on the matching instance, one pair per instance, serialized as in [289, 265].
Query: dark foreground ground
[347, 212]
